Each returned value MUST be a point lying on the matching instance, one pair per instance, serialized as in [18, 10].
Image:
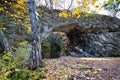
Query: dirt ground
[73, 68]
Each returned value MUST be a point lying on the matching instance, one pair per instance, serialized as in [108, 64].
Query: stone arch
[75, 33]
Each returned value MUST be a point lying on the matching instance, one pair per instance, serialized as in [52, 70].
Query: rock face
[97, 35]
[104, 44]
[97, 39]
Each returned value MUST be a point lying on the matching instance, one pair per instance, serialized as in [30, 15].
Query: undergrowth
[17, 68]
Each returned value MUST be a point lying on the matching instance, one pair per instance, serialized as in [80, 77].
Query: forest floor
[73, 68]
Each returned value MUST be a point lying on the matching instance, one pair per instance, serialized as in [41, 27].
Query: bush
[24, 74]
[15, 69]
[6, 65]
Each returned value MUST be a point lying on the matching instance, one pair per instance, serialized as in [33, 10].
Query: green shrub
[14, 69]
[24, 74]
[6, 65]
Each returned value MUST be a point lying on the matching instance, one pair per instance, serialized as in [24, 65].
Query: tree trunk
[36, 56]
[5, 44]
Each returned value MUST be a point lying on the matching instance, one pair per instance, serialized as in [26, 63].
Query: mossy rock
[46, 49]
[55, 46]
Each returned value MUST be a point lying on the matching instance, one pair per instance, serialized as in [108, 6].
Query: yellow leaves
[88, 9]
[1, 9]
[50, 78]
[36, 75]
[76, 12]
[15, 16]
[7, 73]
[17, 6]
[19, 10]
[78, 16]
[109, 0]
[78, 9]
[20, 13]
[99, 9]
[93, 2]
[84, 3]
[64, 11]
[29, 28]
[63, 77]
[20, 1]
[96, 72]
[64, 14]
[23, 43]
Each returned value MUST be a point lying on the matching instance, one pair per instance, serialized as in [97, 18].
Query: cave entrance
[77, 36]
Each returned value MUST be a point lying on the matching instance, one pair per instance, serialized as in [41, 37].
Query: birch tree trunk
[36, 57]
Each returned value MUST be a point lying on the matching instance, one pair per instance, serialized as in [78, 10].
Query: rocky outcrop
[97, 38]
[97, 35]
[104, 44]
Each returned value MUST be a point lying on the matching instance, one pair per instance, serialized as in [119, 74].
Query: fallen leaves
[73, 68]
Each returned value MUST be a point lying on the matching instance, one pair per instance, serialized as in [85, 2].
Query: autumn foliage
[17, 10]
[85, 6]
